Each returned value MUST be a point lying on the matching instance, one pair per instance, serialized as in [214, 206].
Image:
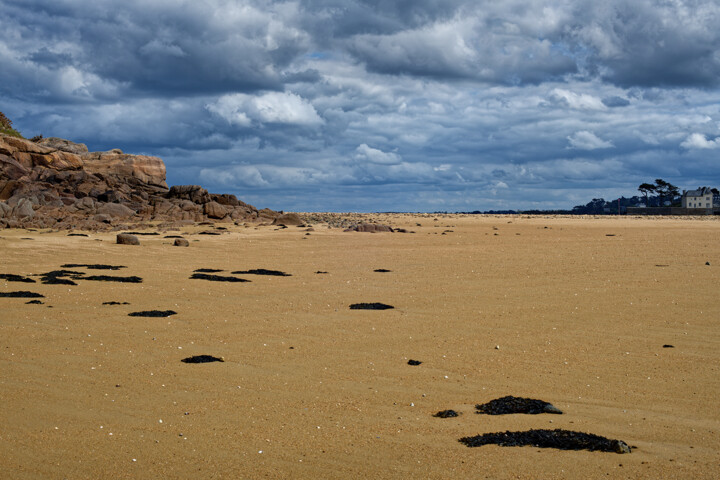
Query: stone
[181, 242]
[23, 209]
[370, 228]
[214, 210]
[5, 210]
[288, 219]
[125, 239]
[194, 193]
[143, 168]
[64, 145]
[115, 210]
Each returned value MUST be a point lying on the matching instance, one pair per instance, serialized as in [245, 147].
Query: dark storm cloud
[369, 104]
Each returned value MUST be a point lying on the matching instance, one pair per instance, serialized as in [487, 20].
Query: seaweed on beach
[370, 306]
[34, 302]
[153, 313]
[108, 278]
[202, 359]
[382, 270]
[22, 294]
[207, 270]
[510, 404]
[115, 303]
[95, 266]
[446, 414]
[11, 277]
[140, 233]
[77, 234]
[414, 362]
[262, 271]
[560, 439]
[58, 277]
[216, 278]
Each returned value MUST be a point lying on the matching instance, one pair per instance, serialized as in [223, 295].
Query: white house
[702, 198]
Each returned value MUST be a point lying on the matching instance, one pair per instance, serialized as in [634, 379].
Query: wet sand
[573, 311]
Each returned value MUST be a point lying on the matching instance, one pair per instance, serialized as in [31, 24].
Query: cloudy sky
[379, 105]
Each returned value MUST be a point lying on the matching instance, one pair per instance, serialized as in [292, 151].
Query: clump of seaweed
[370, 306]
[202, 359]
[560, 439]
[510, 404]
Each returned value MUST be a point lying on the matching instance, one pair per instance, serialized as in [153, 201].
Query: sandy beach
[612, 320]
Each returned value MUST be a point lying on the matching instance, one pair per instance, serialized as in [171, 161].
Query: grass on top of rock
[6, 127]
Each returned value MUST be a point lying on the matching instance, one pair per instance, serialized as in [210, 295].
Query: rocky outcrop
[55, 183]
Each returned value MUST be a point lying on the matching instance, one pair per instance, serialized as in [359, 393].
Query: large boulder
[141, 168]
[127, 239]
[115, 210]
[63, 145]
[370, 228]
[5, 210]
[288, 219]
[23, 209]
[30, 154]
[215, 210]
[193, 193]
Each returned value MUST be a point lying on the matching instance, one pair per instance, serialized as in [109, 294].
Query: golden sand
[547, 308]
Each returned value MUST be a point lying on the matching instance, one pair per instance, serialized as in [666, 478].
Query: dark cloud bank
[376, 105]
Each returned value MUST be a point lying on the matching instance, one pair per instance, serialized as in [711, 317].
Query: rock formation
[55, 183]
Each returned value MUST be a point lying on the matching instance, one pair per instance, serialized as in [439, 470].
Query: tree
[665, 189]
[645, 189]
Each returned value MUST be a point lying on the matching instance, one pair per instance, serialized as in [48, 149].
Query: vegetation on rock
[6, 127]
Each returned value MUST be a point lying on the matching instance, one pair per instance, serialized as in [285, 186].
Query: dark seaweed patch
[370, 306]
[382, 270]
[207, 270]
[560, 439]
[77, 235]
[206, 232]
[319, 272]
[116, 303]
[140, 233]
[216, 278]
[667, 345]
[57, 277]
[510, 404]
[262, 271]
[202, 359]
[446, 414]
[414, 362]
[11, 277]
[96, 266]
[153, 313]
[173, 236]
[34, 302]
[107, 278]
[23, 294]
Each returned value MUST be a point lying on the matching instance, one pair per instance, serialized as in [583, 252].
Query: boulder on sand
[127, 239]
[288, 219]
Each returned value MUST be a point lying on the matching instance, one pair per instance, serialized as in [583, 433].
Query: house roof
[697, 193]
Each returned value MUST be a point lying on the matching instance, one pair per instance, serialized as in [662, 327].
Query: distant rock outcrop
[56, 183]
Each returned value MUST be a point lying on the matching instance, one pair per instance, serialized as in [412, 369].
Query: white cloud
[272, 107]
[584, 140]
[698, 141]
[365, 153]
[578, 101]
